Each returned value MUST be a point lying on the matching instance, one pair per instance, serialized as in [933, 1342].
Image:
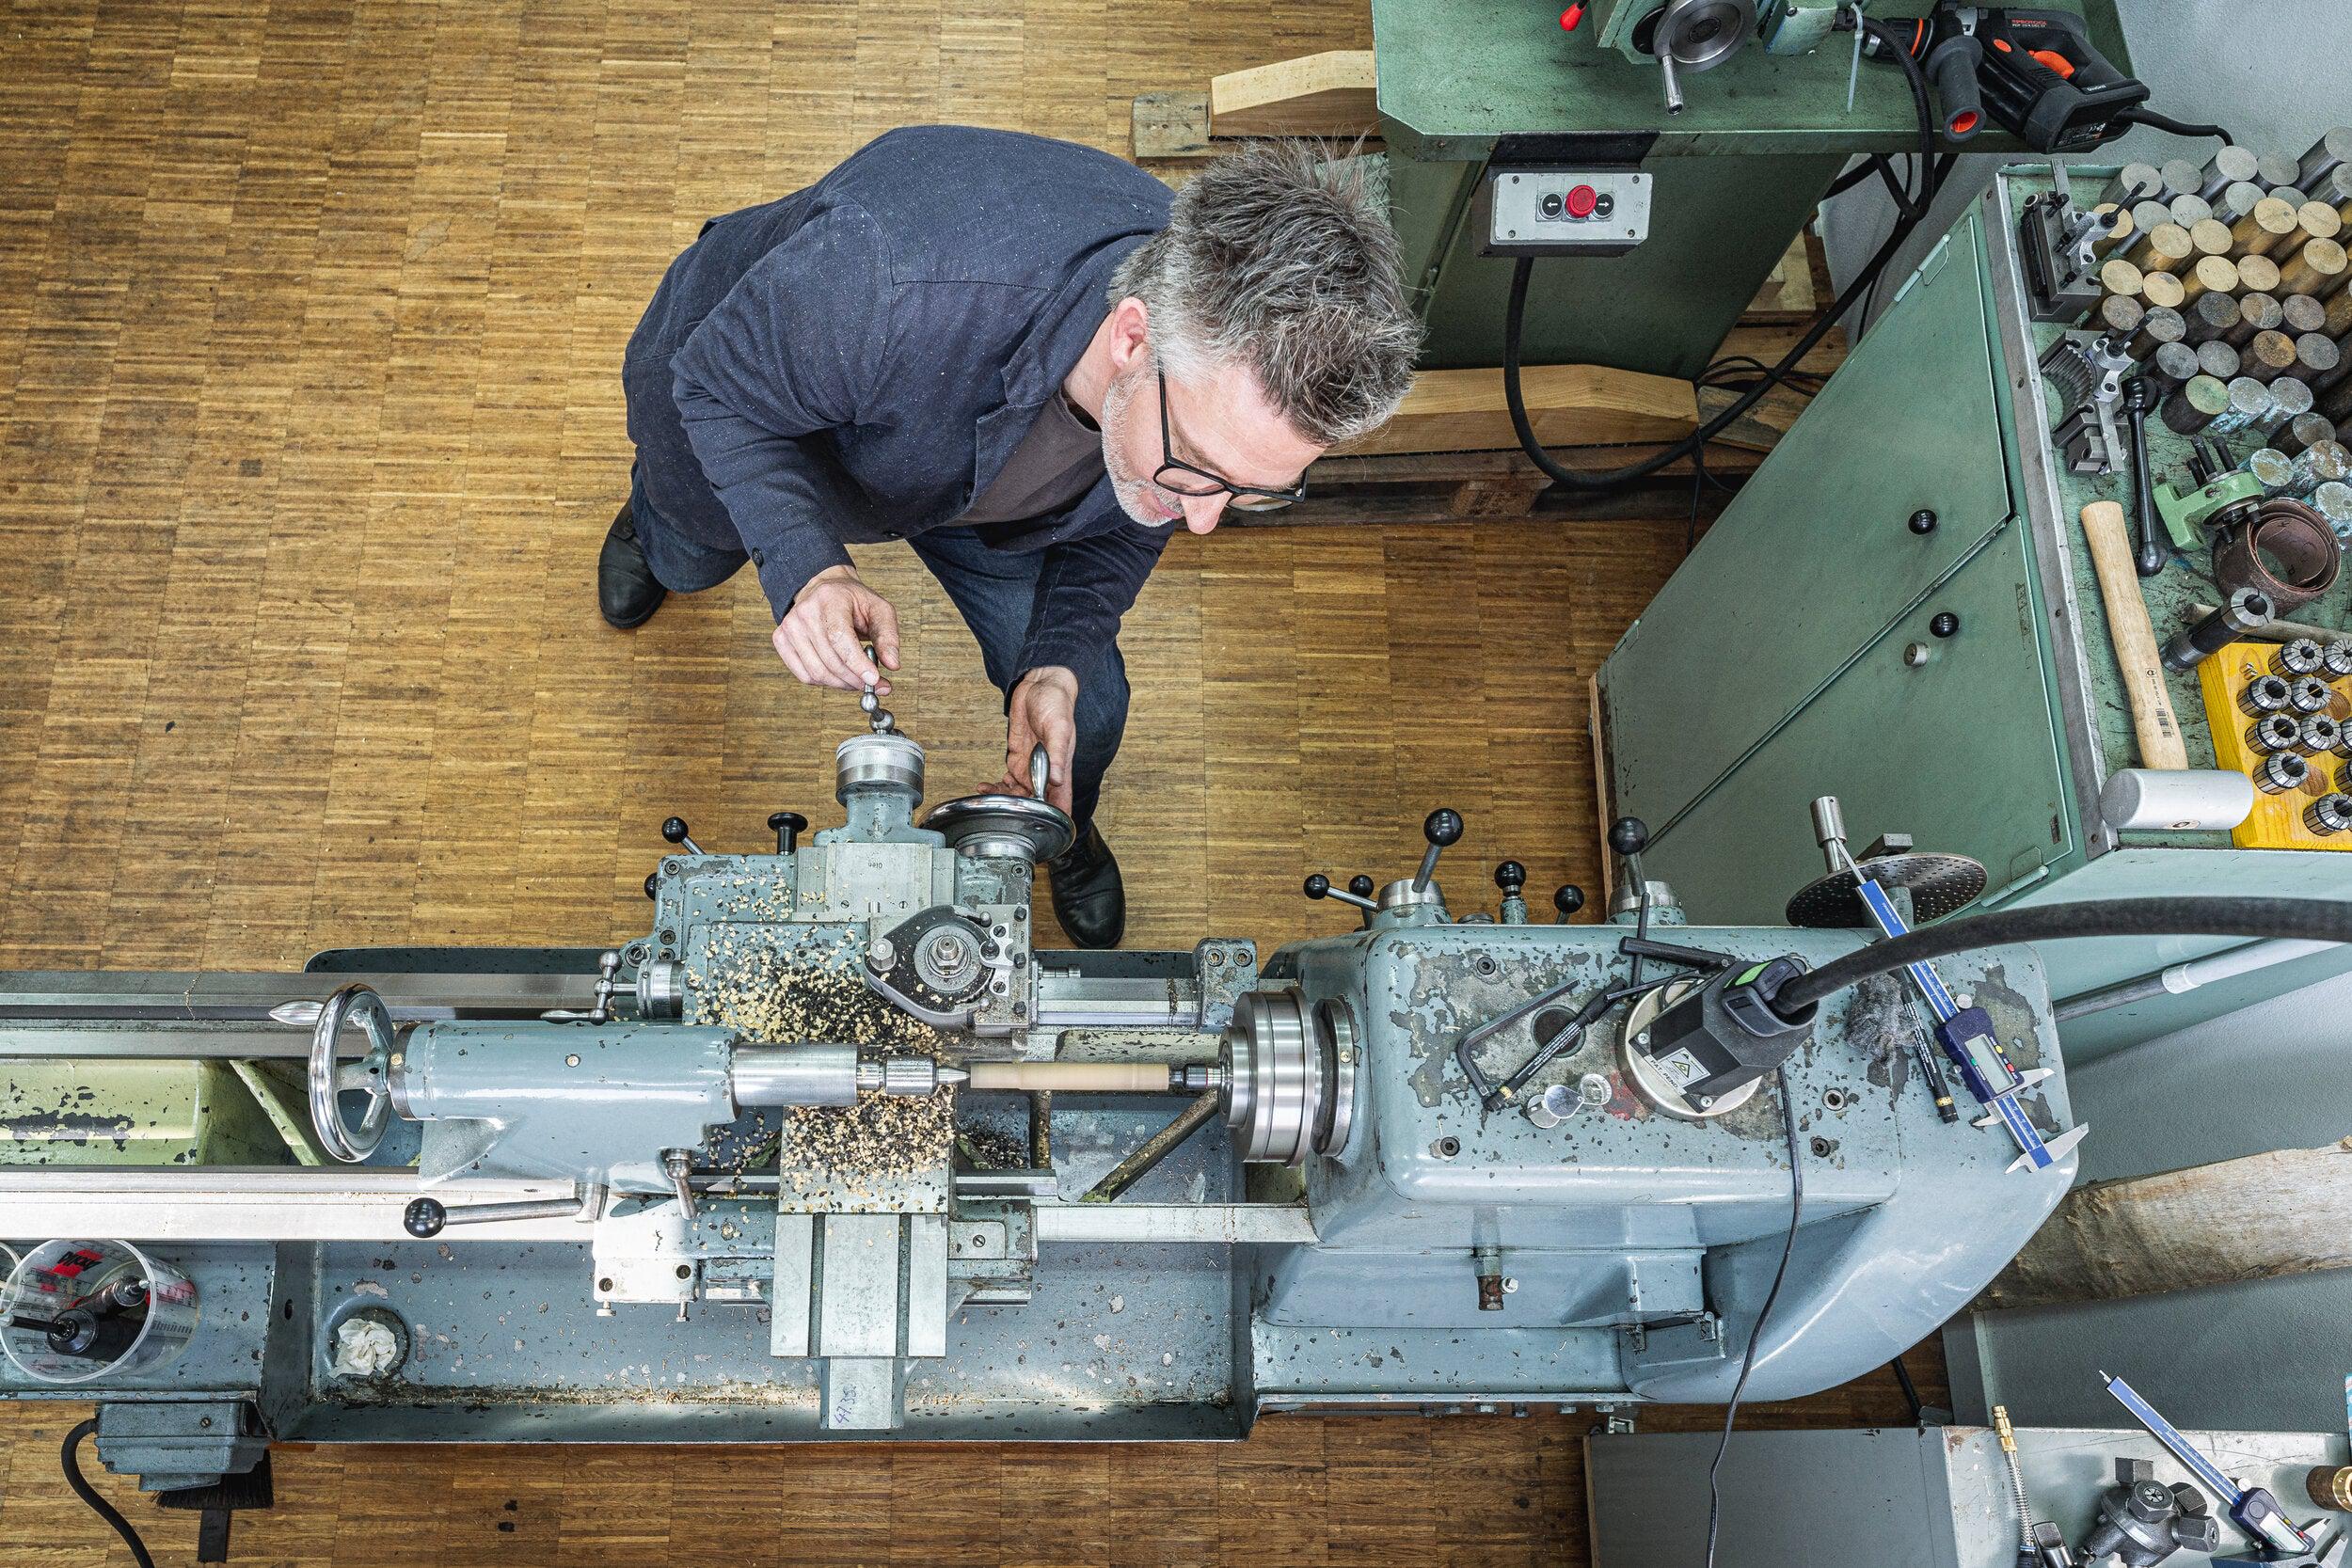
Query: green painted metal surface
[131, 1113]
[1454, 75]
[1957, 752]
[1718, 225]
[1817, 559]
[1738, 173]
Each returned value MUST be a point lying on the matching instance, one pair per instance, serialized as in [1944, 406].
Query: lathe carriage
[833, 1149]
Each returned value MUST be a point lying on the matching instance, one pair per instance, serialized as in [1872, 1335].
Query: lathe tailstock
[833, 1150]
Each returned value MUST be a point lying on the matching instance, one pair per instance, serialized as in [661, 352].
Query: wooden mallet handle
[2136, 652]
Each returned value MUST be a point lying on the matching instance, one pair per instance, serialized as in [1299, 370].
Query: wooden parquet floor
[310, 319]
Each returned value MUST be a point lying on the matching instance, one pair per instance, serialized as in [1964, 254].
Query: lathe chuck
[1289, 1081]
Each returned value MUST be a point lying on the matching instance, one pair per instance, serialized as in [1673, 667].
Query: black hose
[1848, 179]
[2307, 919]
[2142, 115]
[1911, 1390]
[100, 1506]
[1908, 213]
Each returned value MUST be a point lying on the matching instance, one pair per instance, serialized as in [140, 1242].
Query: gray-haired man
[1027, 360]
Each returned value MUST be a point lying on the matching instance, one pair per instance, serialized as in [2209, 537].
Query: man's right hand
[820, 637]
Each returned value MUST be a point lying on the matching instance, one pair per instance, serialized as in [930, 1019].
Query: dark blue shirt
[856, 362]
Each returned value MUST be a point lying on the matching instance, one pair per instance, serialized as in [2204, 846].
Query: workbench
[1898, 609]
[1896, 1496]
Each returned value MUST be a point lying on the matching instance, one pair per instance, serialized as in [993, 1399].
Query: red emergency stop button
[1581, 199]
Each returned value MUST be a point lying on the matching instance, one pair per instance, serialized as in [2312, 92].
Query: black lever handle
[1441, 827]
[788, 826]
[673, 829]
[1319, 886]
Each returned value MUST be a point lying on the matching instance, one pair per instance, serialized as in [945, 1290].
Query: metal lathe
[833, 1149]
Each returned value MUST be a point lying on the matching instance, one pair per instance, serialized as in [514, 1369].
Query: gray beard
[1134, 491]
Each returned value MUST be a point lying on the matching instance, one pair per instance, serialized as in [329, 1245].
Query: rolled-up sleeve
[1083, 589]
[795, 348]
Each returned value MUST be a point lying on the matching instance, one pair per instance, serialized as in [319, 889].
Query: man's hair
[1279, 255]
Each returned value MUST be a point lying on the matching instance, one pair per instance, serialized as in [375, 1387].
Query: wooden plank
[1170, 125]
[1603, 801]
[2260, 1217]
[1788, 292]
[1765, 422]
[1443, 487]
[1569, 405]
[1331, 94]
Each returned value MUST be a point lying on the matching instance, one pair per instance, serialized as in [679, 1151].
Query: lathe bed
[743, 1177]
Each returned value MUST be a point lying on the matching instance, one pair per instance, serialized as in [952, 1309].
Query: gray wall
[2270, 1355]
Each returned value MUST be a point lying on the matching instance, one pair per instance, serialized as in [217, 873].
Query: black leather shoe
[626, 591]
[1090, 900]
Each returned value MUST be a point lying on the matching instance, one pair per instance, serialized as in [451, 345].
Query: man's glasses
[1185, 479]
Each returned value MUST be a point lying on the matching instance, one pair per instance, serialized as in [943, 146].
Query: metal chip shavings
[781, 984]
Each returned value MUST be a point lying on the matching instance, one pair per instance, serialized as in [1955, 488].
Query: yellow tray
[2277, 820]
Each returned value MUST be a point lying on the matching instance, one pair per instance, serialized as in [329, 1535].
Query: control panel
[1562, 212]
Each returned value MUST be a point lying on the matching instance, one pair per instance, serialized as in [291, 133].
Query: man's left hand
[1043, 713]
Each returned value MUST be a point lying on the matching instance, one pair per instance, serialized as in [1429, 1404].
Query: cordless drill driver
[2035, 73]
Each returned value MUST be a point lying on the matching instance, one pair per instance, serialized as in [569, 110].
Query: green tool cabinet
[1898, 609]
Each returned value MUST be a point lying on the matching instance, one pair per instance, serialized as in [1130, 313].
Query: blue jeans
[993, 589]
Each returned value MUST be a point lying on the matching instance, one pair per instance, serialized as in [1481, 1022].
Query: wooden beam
[1788, 292]
[1170, 125]
[2261, 1217]
[1569, 405]
[1762, 426]
[1474, 486]
[1331, 94]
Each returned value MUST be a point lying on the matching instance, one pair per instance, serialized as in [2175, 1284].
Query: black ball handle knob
[1567, 898]
[1510, 877]
[1442, 827]
[651, 879]
[1629, 835]
[1317, 886]
[423, 1218]
[1360, 885]
[788, 826]
[673, 829]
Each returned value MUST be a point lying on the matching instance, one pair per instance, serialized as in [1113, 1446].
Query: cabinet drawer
[1817, 556]
[1958, 753]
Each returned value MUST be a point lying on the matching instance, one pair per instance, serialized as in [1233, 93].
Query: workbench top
[2186, 579]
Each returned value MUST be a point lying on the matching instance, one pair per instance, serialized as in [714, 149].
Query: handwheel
[368, 1074]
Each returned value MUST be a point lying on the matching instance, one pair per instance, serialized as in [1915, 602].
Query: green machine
[1475, 90]
[1899, 609]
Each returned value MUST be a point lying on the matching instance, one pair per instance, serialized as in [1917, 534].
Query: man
[1029, 362]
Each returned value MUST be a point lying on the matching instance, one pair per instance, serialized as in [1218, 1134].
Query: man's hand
[1043, 713]
[819, 638]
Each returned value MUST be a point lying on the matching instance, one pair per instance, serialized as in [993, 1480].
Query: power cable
[88, 1493]
[1756, 1336]
[2142, 115]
